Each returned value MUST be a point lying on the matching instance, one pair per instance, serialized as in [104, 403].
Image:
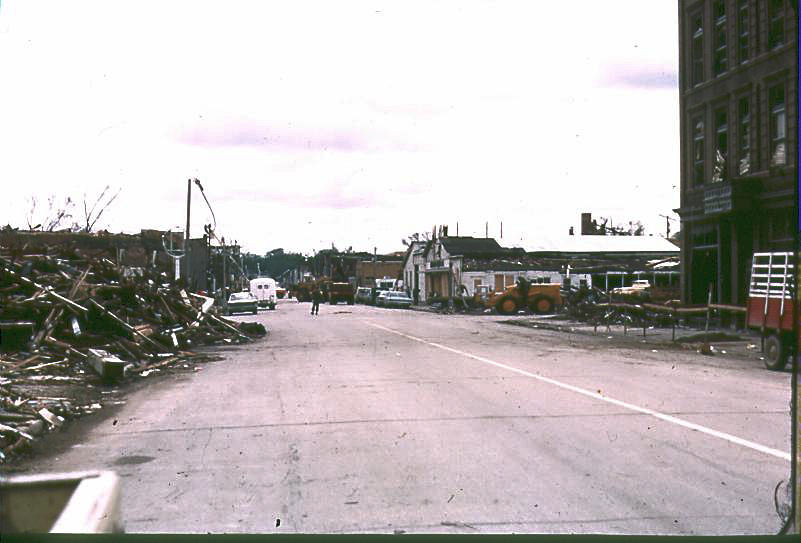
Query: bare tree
[50, 218]
[90, 217]
[417, 236]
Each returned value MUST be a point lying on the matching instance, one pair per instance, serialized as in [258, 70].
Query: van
[264, 289]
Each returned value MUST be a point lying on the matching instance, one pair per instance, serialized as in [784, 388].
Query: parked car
[242, 302]
[640, 287]
[374, 294]
[394, 298]
[362, 295]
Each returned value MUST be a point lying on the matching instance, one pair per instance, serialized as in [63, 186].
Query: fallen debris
[70, 324]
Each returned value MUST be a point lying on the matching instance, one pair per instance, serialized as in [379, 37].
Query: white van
[263, 288]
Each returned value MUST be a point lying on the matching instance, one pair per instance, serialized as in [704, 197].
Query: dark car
[242, 302]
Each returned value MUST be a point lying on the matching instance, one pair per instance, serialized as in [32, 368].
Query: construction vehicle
[303, 290]
[770, 305]
[540, 298]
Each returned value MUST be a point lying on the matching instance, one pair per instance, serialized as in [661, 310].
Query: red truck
[770, 305]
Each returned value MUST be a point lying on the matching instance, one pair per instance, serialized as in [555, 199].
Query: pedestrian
[317, 297]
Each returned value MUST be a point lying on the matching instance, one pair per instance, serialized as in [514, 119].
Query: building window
[742, 31]
[744, 136]
[775, 23]
[698, 49]
[721, 56]
[721, 144]
[698, 151]
[778, 126]
[781, 226]
[705, 236]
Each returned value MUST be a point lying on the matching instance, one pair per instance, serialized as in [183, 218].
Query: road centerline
[644, 410]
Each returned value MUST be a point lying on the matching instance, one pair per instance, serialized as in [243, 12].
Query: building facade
[367, 271]
[737, 88]
[414, 270]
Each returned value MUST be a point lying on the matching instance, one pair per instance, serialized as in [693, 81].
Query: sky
[348, 123]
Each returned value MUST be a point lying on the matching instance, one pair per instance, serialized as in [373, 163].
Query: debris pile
[70, 324]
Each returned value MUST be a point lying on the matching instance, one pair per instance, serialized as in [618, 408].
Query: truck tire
[506, 306]
[256, 311]
[272, 307]
[350, 301]
[541, 304]
[775, 353]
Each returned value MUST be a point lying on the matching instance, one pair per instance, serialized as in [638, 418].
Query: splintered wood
[70, 325]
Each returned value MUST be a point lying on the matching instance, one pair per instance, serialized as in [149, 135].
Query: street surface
[379, 420]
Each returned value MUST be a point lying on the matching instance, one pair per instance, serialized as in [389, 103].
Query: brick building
[737, 84]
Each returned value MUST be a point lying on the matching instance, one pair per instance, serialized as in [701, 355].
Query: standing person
[317, 297]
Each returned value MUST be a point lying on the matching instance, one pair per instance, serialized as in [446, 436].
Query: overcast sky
[356, 123]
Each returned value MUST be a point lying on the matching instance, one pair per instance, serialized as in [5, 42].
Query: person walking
[317, 297]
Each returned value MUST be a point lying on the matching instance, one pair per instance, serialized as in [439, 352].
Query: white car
[639, 286]
[242, 302]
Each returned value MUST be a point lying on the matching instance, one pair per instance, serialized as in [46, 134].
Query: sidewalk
[743, 344]
[739, 343]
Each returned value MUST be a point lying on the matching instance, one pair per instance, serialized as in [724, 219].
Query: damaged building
[737, 88]
[440, 267]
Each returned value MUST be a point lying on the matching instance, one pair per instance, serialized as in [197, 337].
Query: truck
[769, 307]
[265, 291]
[540, 298]
[340, 292]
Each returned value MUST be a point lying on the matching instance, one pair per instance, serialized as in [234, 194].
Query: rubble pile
[71, 324]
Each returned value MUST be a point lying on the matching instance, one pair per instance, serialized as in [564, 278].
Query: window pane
[780, 126]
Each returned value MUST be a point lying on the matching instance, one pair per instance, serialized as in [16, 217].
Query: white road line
[668, 418]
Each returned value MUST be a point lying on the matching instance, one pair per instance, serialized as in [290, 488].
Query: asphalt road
[367, 419]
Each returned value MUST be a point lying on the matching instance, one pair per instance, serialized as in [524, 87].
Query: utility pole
[225, 278]
[186, 233]
[667, 225]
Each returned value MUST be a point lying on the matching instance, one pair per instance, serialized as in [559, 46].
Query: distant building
[737, 88]
[367, 271]
[606, 261]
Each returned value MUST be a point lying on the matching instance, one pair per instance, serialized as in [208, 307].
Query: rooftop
[600, 244]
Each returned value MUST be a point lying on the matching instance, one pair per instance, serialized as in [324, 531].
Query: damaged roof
[469, 246]
[600, 244]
